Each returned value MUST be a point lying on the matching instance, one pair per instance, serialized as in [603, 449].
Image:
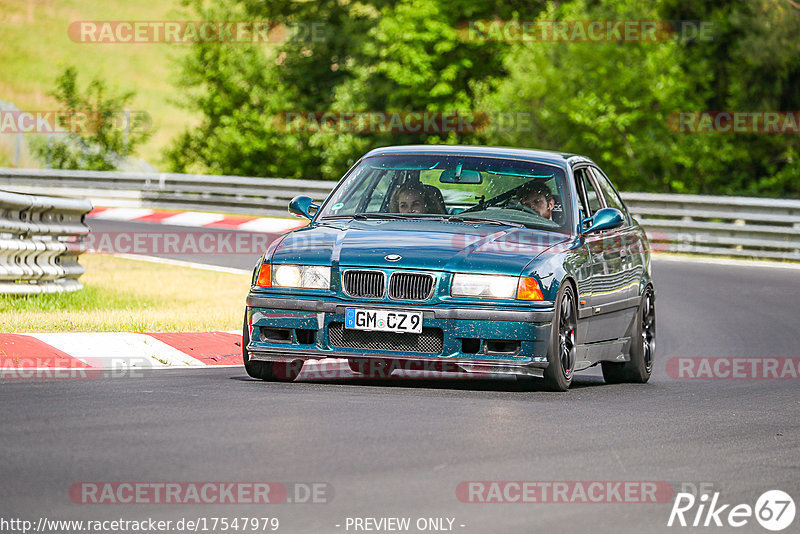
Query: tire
[561, 350]
[267, 371]
[373, 368]
[643, 346]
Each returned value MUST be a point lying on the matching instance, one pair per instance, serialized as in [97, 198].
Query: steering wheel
[513, 203]
[498, 200]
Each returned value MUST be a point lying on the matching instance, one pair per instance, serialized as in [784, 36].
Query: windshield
[488, 190]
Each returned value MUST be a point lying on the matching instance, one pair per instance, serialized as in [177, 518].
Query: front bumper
[489, 339]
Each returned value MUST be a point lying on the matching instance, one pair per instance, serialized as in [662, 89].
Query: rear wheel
[643, 346]
[561, 351]
[269, 371]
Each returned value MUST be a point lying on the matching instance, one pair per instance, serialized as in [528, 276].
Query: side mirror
[303, 206]
[604, 219]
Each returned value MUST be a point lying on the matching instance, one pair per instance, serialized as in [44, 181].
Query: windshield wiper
[364, 216]
[456, 218]
[381, 216]
[407, 216]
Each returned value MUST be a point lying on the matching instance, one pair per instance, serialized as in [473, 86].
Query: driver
[537, 196]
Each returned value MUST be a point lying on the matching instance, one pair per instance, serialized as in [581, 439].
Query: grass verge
[36, 47]
[126, 295]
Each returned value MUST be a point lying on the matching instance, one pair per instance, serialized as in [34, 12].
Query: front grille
[429, 341]
[411, 286]
[364, 284]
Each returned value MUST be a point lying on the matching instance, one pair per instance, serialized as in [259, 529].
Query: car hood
[434, 245]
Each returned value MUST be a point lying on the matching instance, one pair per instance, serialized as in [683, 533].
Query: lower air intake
[428, 342]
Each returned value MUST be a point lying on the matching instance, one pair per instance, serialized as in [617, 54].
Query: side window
[611, 196]
[368, 194]
[378, 194]
[591, 194]
[581, 197]
[353, 191]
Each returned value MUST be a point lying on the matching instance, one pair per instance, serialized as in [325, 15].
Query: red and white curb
[197, 219]
[123, 354]
[115, 351]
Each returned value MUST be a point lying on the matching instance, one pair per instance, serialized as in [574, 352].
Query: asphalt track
[400, 447]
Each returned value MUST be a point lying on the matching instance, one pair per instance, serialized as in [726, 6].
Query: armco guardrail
[231, 194]
[40, 242]
[735, 226]
[718, 225]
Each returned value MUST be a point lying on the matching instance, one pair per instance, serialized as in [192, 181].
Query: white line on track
[725, 261]
[181, 263]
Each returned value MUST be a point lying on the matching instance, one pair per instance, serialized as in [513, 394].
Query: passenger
[538, 197]
[409, 199]
[414, 197]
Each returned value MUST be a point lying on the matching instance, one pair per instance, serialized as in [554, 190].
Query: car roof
[478, 150]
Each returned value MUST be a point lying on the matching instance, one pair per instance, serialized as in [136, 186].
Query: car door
[618, 286]
[605, 310]
[631, 245]
[589, 203]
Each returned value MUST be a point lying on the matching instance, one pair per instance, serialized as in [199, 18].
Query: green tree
[416, 58]
[100, 131]
[752, 64]
[609, 100]
[615, 101]
[242, 91]
[370, 56]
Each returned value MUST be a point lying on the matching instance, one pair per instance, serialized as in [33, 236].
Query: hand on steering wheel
[513, 203]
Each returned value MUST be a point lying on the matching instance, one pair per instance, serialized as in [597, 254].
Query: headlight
[301, 276]
[287, 275]
[495, 287]
[484, 286]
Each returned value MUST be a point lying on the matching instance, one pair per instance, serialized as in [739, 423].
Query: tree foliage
[614, 101]
[99, 132]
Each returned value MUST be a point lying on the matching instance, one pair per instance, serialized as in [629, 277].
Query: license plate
[383, 320]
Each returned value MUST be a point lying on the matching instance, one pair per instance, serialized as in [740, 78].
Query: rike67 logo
[774, 510]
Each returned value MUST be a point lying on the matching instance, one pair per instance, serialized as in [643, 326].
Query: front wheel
[268, 371]
[643, 346]
[561, 351]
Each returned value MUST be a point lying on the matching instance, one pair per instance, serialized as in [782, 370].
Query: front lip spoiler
[479, 314]
[535, 369]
